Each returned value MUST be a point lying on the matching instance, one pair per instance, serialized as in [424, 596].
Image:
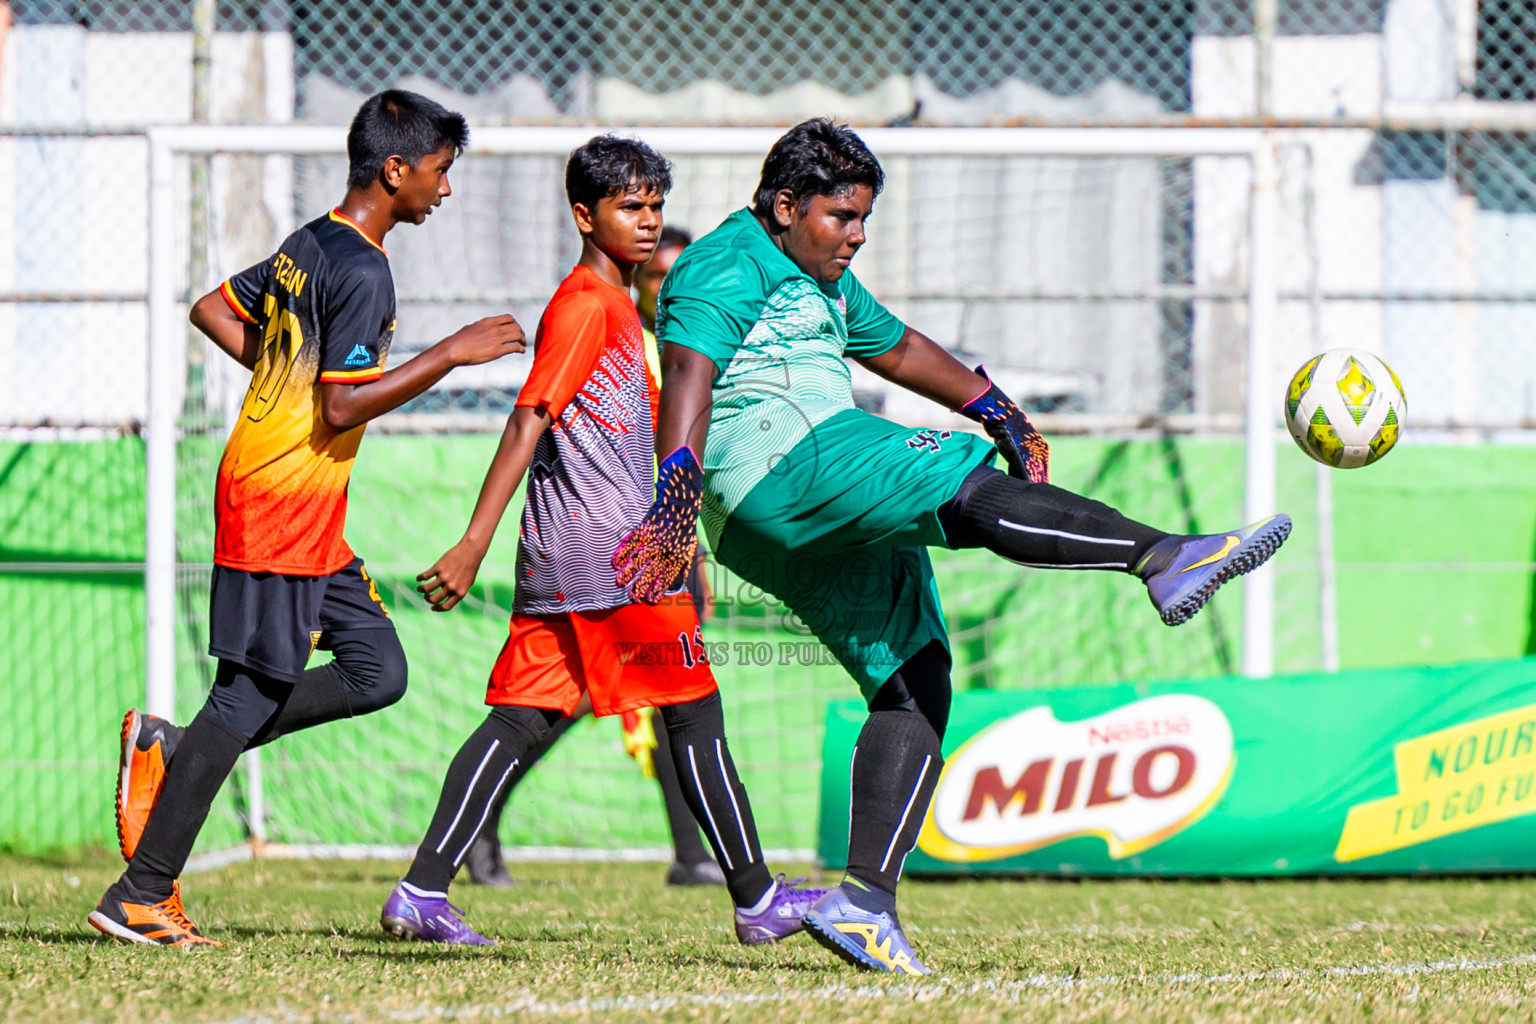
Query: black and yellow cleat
[125, 916]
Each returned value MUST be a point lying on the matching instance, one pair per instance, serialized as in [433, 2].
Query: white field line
[1016, 990]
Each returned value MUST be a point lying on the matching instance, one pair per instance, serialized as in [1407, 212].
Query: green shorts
[838, 532]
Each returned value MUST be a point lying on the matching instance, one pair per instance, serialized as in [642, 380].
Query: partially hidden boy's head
[404, 143]
[817, 189]
[617, 188]
[648, 278]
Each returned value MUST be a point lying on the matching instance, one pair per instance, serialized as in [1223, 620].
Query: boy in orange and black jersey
[313, 323]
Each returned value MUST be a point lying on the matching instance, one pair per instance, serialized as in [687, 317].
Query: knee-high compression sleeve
[1043, 525]
[478, 774]
[687, 846]
[896, 765]
[715, 795]
[535, 754]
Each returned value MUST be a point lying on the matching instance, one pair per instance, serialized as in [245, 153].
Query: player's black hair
[607, 165]
[818, 157]
[403, 124]
[674, 238]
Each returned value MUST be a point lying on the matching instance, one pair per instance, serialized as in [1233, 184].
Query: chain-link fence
[1107, 293]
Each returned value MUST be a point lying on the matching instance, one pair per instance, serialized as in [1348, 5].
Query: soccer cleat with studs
[783, 915]
[1205, 562]
[484, 862]
[870, 941]
[145, 748]
[705, 872]
[410, 913]
[124, 915]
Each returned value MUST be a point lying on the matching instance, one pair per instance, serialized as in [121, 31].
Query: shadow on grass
[53, 936]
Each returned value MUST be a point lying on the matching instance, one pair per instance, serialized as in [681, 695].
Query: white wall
[73, 211]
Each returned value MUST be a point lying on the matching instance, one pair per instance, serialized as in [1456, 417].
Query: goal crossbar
[168, 337]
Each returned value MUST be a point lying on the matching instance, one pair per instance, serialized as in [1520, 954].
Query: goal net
[1103, 277]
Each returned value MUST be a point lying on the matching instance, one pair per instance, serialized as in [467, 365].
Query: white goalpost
[1259, 293]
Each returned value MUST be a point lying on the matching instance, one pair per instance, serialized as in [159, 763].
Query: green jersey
[778, 338]
[821, 505]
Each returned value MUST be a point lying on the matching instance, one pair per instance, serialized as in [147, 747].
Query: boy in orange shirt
[583, 431]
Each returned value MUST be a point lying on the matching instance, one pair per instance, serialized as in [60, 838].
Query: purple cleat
[412, 913]
[781, 918]
[873, 942]
[1205, 562]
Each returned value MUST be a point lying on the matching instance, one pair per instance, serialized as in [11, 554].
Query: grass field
[608, 941]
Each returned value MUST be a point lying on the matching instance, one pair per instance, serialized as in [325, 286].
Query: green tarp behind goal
[1433, 549]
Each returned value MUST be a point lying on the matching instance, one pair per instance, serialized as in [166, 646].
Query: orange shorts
[634, 656]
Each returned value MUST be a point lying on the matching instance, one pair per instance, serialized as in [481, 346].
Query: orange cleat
[147, 745]
[151, 924]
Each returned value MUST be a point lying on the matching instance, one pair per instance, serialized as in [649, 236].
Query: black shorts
[272, 623]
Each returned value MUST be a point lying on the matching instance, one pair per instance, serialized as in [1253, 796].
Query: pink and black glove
[652, 558]
[1021, 445]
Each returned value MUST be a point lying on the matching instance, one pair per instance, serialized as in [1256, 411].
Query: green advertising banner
[1385, 771]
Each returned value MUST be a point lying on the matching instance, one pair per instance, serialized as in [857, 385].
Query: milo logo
[1132, 776]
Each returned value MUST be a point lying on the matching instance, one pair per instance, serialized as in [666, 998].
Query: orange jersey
[592, 474]
[325, 303]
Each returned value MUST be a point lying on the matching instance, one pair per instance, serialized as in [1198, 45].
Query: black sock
[687, 843]
[896, 765]
[476, 778]
[1042, 525]
[715, 795]
[525, 764]
[204, 758]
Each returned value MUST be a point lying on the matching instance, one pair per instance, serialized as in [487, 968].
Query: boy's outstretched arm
[657, 552]
[919, 364]
[241, 339]
[451, 576]
[345, 406]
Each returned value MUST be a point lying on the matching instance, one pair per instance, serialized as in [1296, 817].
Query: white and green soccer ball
[1345, 408]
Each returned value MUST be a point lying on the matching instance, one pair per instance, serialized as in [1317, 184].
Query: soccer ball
[1345, 408]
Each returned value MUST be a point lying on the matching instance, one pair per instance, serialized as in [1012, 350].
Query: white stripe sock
[467, 792]
[484, 814]
[1069, 536]
[921, 775]
[694, 764]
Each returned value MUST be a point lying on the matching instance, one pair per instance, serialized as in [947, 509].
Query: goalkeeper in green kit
[831, 509]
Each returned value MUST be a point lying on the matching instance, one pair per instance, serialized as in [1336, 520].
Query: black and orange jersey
[325, 303]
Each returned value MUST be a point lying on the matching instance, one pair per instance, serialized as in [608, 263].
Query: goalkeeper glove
[1022, 447]
[640, 739]
[652, 558]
